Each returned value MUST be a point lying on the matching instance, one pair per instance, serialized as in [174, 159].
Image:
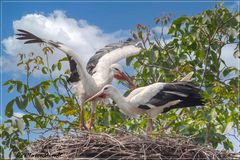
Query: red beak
[125, 77]
[99, 94]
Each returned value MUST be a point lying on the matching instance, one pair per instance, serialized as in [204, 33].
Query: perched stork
[154, 99]
[100, 69]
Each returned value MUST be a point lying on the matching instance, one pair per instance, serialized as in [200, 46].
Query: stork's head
[106, 91]
[117, 71]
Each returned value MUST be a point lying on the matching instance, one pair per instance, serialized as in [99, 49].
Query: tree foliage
[195, 44]
[191, 44]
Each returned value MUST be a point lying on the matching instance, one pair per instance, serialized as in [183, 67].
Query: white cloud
[9, 66]
[7, 63]
[82, 37]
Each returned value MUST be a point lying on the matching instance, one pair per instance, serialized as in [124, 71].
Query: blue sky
[108, 17]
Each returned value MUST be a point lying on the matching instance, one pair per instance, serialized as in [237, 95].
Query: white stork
[153, 99]
[100, 69]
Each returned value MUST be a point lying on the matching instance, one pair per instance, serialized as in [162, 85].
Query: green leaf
[44, 70]
[67, 71]
[129, 60]
[59, 65]
[48, 102]
[228, 70]
[9, 109]
[10, 89]
[172, 29]
[19, 86]
[157, 20]
[53, 67]
[178, 22]
[7, 82]
[22, 102]
[236, 54]
[135, 65]
[206, 19]
[28, 117]
[63, 59]
[56, 100]
[45, 84]
[228, 145]
[38, 106]
[140, 35]
[2, 149]
[47, 49]
[62, 81]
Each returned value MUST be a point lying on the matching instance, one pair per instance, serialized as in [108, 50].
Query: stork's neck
[121, 101]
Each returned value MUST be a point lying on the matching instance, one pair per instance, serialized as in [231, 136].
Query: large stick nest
[122, 147]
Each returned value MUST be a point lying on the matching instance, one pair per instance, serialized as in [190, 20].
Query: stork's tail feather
[31, 38]
[192, 95]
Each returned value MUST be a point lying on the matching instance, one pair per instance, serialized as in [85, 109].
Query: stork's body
[154, 99]
[100, 70]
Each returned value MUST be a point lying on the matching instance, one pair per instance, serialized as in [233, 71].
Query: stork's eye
[105, 88]
[116, 69]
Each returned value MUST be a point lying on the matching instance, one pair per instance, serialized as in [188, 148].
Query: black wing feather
[192, 98]
[33, 41]
[24, 31]
[74, 76]
[25, 35]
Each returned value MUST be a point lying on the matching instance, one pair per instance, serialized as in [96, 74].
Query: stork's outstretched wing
[76, 68]
[93, 61]
[111, 54]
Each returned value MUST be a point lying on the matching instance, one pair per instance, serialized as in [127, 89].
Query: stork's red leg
[81, 118]
[149, 127]
[90, 122]
[93, 107]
